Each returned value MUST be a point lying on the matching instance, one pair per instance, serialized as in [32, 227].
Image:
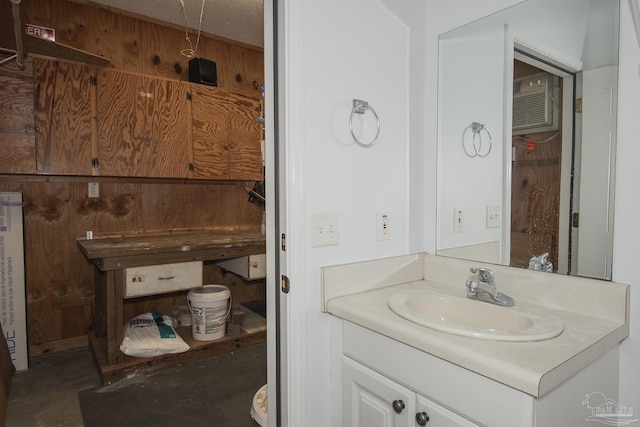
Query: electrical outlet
[89, 235]
[458, 224]
[324, 229]
[494, 215]
[383, 226]
[94, 190]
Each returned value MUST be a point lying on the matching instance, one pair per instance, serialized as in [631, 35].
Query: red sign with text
[42, 32]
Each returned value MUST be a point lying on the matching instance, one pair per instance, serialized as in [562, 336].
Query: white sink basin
[472, 318]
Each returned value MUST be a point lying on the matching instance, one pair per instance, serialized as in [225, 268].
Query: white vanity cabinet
[373, 400]
[381, 382]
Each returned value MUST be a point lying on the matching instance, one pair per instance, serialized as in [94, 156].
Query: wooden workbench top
[111, 253]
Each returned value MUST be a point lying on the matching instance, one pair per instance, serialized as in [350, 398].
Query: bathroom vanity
[392, 371]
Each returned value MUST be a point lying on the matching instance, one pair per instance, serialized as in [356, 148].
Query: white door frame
[286, 362]
[556, 61]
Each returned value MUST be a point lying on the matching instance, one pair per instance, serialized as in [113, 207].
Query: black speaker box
[203, 71]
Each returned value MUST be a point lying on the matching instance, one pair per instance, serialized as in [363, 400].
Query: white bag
[152, 334]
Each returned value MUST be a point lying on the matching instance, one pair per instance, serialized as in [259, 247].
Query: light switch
[325, 230]
[494, 215]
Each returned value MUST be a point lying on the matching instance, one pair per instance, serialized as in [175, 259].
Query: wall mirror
[526, 137]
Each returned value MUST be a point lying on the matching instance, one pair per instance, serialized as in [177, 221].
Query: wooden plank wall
[145, 47]
[60, 281]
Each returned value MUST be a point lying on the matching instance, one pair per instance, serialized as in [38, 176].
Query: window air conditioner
[535, 107]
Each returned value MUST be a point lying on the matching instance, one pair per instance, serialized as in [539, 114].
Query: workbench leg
[100, 316]
[115, 313]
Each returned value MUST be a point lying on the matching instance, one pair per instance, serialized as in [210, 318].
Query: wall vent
[535, 106]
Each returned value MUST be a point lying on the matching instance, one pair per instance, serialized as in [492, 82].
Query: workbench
[111, 257]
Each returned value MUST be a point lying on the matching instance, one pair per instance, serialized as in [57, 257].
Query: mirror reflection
[526, 137]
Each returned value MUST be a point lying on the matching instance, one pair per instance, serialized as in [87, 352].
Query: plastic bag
[152, 334]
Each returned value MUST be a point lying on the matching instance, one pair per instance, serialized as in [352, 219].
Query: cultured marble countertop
[531, 367]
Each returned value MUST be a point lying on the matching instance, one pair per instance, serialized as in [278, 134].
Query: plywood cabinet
[143, 126]
[17, 129]
[210, 132]
[113, 123]
[226, 135]
[64, 106]
[245, 154]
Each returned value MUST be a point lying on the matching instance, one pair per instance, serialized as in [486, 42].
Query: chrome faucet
[484, 289]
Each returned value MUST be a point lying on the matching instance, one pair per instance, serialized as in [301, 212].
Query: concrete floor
[47, 394]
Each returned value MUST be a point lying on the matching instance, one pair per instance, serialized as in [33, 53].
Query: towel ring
[476, 129]
[360, 107]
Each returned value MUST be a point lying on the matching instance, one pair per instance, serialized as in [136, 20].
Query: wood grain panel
[61, 282]
[241, 290]
[142, 126]
[249, 71]
[17, 133]
[144, 47]
[63, 99]
[245, 155]
[210, 132]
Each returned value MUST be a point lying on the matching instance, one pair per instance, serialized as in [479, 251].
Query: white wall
[340, 51]
[361, 49]
[626, 234]
[472, 79]
[473, 68]
[627, 197]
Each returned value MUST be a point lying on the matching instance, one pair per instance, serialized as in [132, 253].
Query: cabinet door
[431, 414]
[245, 154]
[142, 126]
[17, 132]
[372, 400]
[64, 97]
[210, 132]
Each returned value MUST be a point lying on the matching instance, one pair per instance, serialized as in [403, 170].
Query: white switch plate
[494, 215]
[458, 224]
[383, 226]
[94, 190]
[325, 230]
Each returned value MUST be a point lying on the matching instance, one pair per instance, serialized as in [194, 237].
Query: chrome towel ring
[476, 130]
[360, 107]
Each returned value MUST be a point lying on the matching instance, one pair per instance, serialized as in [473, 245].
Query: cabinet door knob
[398, 406]
[422, 418]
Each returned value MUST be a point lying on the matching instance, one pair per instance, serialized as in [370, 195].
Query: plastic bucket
[259, 406]
[210, 307]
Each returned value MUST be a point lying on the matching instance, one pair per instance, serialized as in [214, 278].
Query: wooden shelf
[37, 46]
[199, 350]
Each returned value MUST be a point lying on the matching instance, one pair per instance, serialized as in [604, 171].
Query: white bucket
[259, 406]
[210, 307]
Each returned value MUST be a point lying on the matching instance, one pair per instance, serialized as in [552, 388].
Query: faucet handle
[484, 274]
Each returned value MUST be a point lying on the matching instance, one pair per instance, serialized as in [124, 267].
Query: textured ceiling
[240, 20]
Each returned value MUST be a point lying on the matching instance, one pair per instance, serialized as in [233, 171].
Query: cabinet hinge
[283, 242]
[95, 162]
[191, 167]
[93, 80]
[579, 105]
[575, 220]
[285, 285]
[188, 96]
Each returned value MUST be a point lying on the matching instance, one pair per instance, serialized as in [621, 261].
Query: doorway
[543, 144]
